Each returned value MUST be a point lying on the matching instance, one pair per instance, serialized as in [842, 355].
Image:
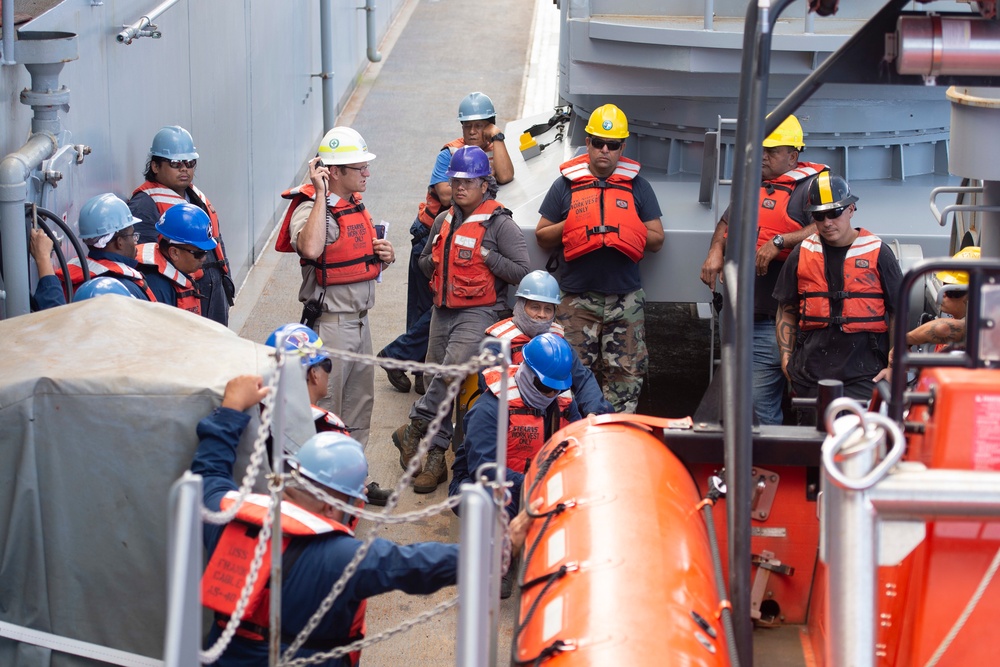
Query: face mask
[528, 326]
[532, 397]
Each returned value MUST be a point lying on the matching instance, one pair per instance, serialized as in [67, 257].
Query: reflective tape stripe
[48, 640]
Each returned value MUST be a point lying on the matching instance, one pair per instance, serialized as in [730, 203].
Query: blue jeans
[768, 380]
[411, 345]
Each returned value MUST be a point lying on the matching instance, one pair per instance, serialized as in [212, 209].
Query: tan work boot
[406, 438]
[435, 472]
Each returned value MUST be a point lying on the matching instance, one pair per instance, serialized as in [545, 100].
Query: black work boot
[418, 384]
[377, 495]
[397, 378]
[406, 438]
[509, 579]
[435, 472]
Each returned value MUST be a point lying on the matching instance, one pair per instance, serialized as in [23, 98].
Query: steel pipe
[935, 494]
[935, 45]
[477, 519]
[7, 56]
[14, 172]
[139, 28]
[326, 64]
[374, 55]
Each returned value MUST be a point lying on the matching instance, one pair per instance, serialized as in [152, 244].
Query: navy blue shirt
[605, 270]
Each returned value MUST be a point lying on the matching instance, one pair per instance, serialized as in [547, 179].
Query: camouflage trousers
[608, 331]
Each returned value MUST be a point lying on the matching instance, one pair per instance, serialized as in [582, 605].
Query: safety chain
[374, 639]
[458, 374]
[259, 446]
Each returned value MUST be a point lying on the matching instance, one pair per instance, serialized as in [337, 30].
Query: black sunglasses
[326, 365]
[599, 143]
[956, 294]
[543, 388]
[197, 254]
[177, 164]
[820, 216]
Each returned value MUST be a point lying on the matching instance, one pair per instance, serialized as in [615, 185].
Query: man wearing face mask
[534, 314]
[539, 404]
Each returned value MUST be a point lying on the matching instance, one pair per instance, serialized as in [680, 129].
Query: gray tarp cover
[99, 401]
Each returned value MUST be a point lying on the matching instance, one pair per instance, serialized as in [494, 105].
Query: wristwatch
[778, 241]
[498, 137]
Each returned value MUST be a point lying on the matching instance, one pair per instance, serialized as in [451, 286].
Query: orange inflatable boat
[619, 571]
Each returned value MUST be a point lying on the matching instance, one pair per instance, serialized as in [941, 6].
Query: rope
[967, 612]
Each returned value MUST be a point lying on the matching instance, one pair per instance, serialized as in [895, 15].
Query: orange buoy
[618, 572]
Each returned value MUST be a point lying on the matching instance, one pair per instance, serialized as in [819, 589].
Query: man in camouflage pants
[603, 217]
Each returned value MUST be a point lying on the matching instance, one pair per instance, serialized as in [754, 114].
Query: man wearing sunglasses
[836, 295]
[170, 180]
[602, 217]
[478, 118]
[184, 241]
[782, 224]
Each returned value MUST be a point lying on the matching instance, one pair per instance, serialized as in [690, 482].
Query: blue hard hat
[469, 162]
[103, 215]
[551, 359]
[336, 461]
[186, 223]
[173, 143]
[100, 286]
[476, 106]
[297, 337]
[539, 286]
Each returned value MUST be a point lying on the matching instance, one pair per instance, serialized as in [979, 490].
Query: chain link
[374, 639]
[457, 373]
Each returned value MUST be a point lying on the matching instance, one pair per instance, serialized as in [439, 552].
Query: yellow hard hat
[959, 277]
[608, 121]
[789, 133]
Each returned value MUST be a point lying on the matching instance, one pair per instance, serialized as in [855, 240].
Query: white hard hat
[342, 145]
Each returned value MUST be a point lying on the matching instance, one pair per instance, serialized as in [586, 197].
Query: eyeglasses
[956, 294]
[820, 216]
[543, 388]
[464, 183]
[134, 235]
[197, 254]
[177, 164]
[599, 143]
[326, 365]
[363, 168]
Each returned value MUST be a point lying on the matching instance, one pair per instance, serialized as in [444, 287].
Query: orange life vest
[430, 208]
[602, 213]
[862, 298]
[227, 570]
[327, 421]
[773, 217]
[349, 259]
[507, 330]
[164, 198]
[105, 267]
[526, 425]
[461, 278]
[188, 297]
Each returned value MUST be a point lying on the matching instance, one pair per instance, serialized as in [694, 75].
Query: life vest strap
[603, 229]
[845, 295]
[840, 320]
[367, 259]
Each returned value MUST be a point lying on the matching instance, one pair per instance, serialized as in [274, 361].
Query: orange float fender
[617, 569]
